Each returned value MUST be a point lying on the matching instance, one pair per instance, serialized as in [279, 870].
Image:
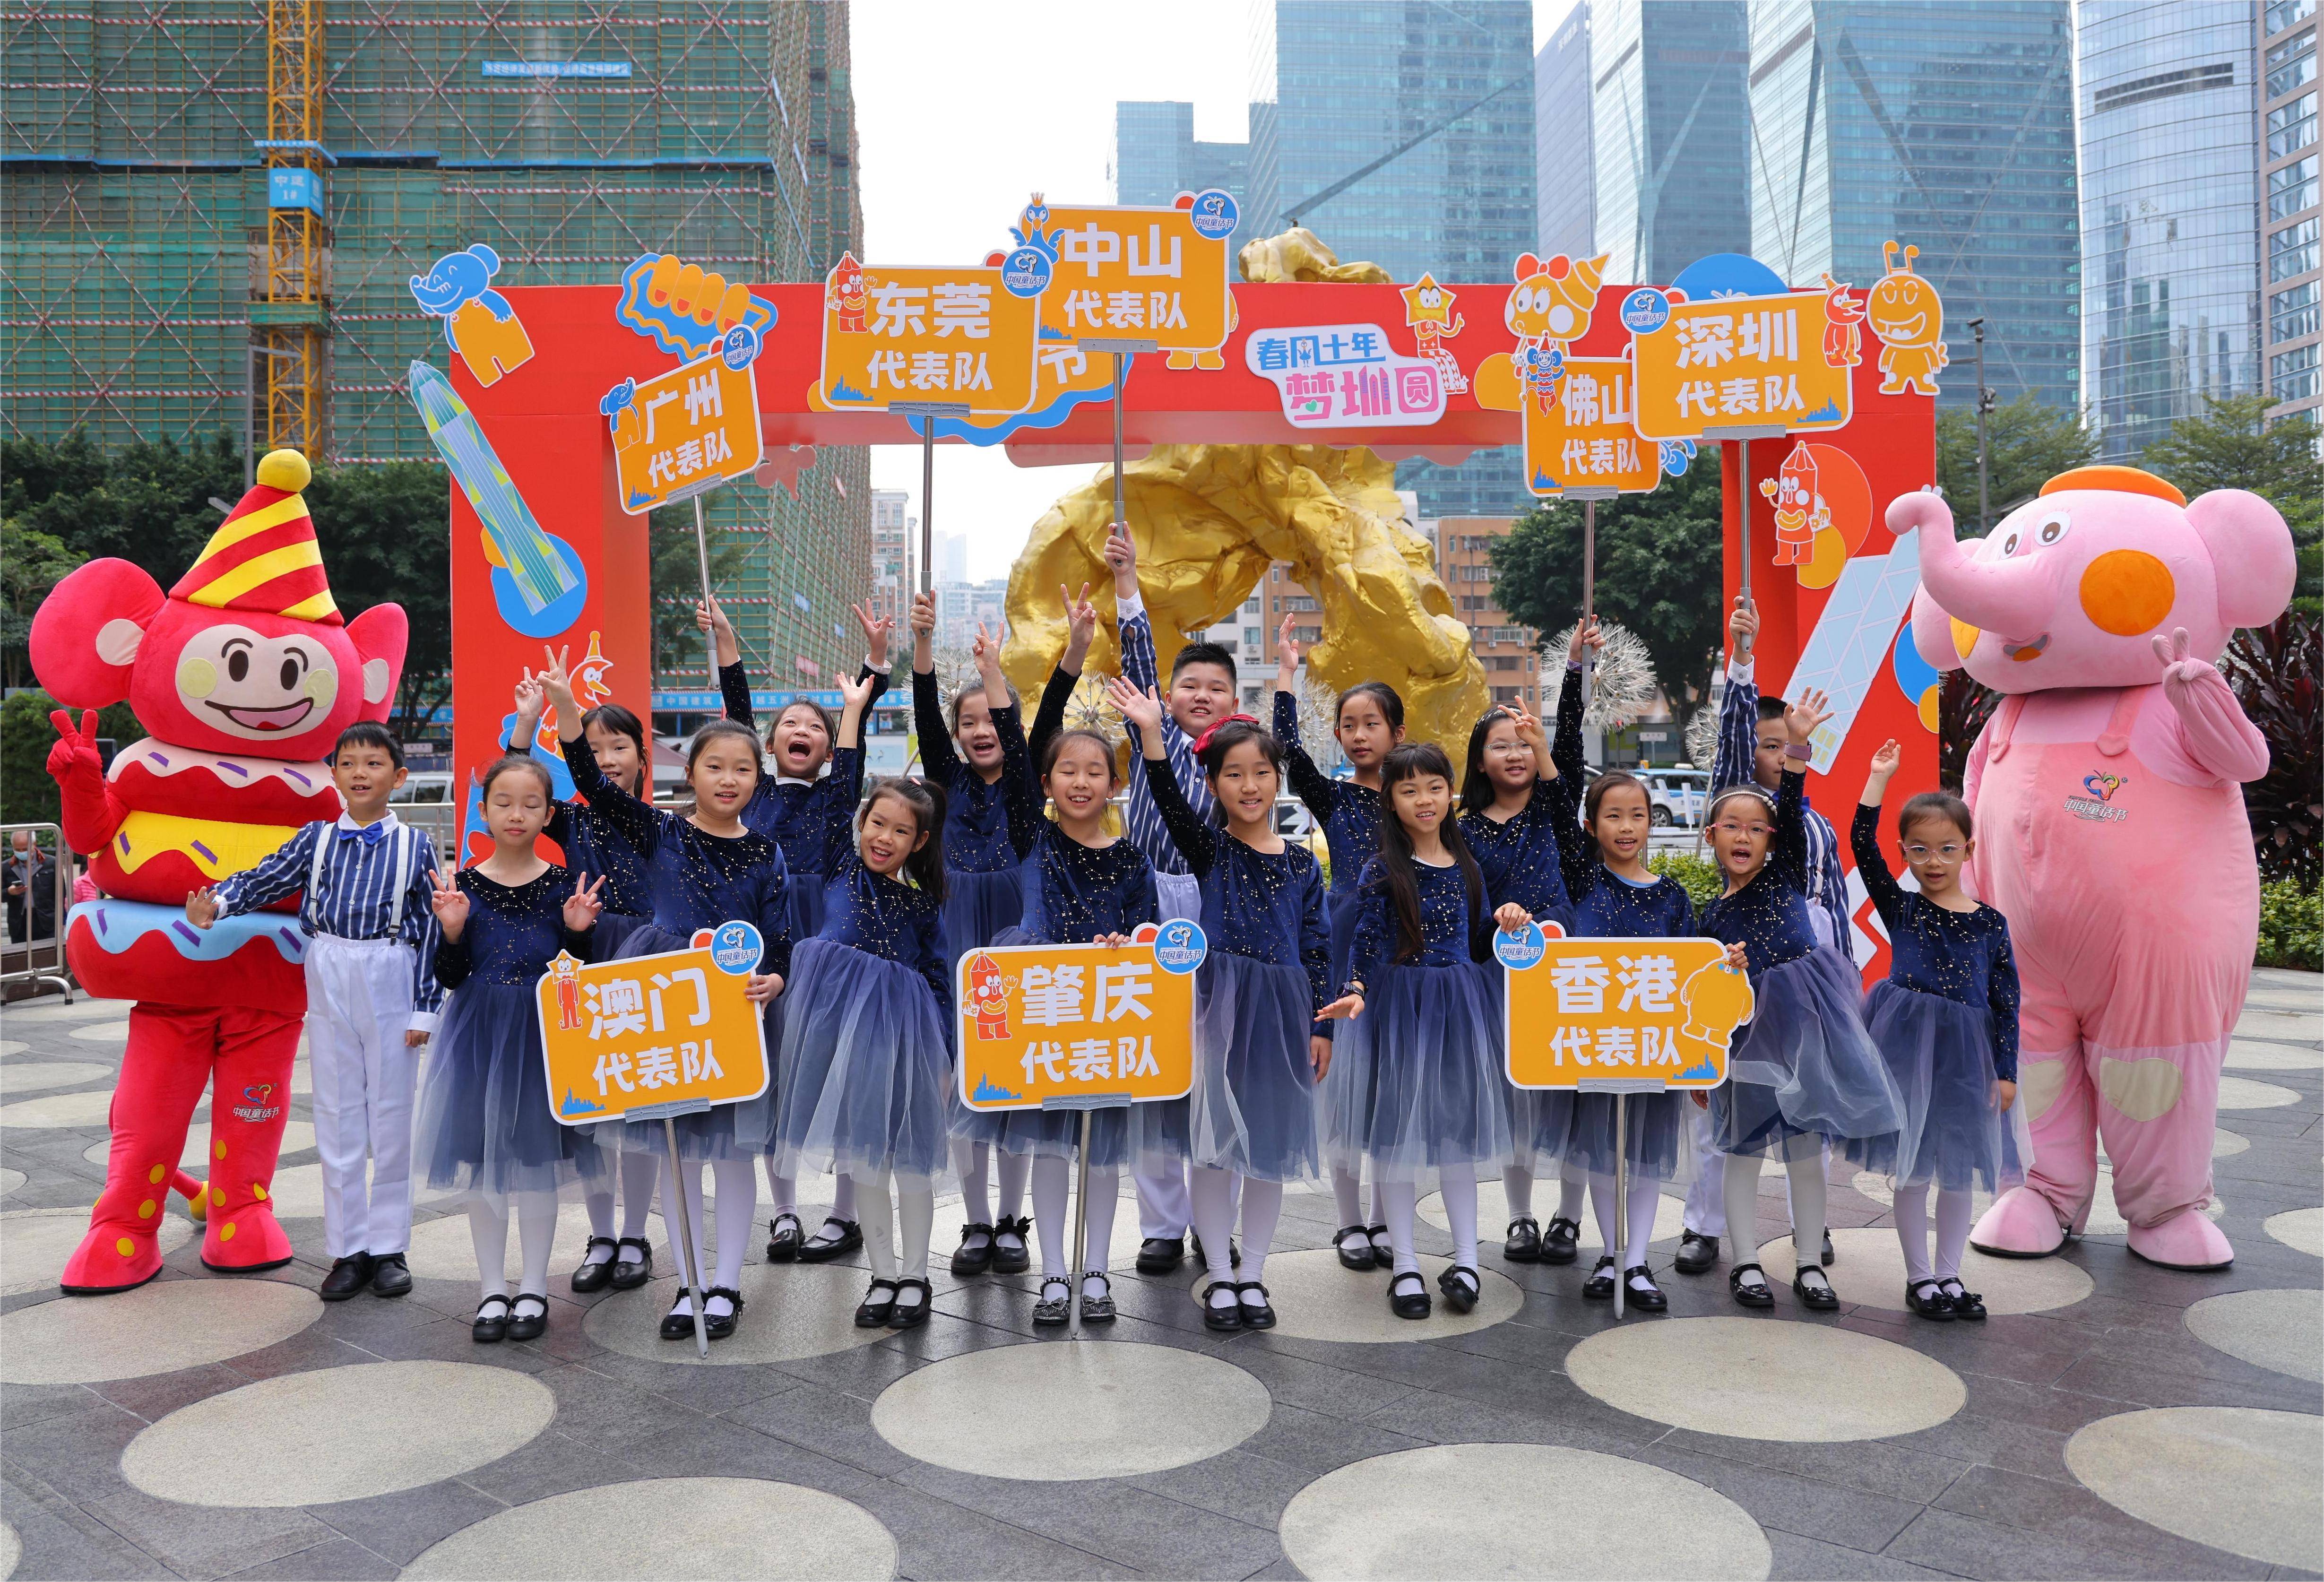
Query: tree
[146, 504]
[28, 795]
[386, 532]
[1659, 565]
[2233, 445]
[31, 562]
[2026, 444]
[676, 578]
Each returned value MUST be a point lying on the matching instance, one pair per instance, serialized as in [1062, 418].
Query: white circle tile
[2249, 1055]
[38, 1076]
[2235, 1477]
[1879, 1188]
[2226, 1144]
[1766, 1379]
[2282, 1331]
[790, 1311]
[298, 1137]
[1670, 1220]
[671, 1527]
[87, 1108]
[10, 1179]
[103, 1032]
[13, 1046]
[2291, 1024]
[442, 1249]
[2302, 1229]
[1444, 1512]
[1871, 1267]
[12, 1550]
[1077, 1411]
[36, 1242]
[157, 1328]
[1315, 1298]
[334, 1434]
[2241, 1093]
[52, 1008]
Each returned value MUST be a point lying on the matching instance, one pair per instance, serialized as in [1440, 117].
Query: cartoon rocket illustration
[1793, 490]
[511, 532]
[988, 997]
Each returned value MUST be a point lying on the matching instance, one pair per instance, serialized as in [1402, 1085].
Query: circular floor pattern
[12, 1550]
[1871, 1270]
[36, 1243]
[37, 1076]
[2299, 1228]
[13, 1046]
[52, 1008]
[671, 1527]
[298, 1137]
[1444, 1512]
[157, 1328]
[2235, 1477]
[2249, 1055]
[1670, 1217]
[1766, 1379]
[104, 1031]
[442, 1249]
[1078, 1411]
[789, 1312]
[333, 1434]
[1314, 1299]
[2241, 1093]
[10, 1179]
[57, 1110]
[2291, 1024]
[2282, 1331]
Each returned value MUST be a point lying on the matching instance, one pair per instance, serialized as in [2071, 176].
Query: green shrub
[1698, 876]
[2291, 926]
[27, 794]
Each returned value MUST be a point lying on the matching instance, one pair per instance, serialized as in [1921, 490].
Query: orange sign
[1623, 1010]
[617, 1036]
[1040, 1021]
[1741, 361]
[1585, 440]
[683, 433]
[953, 335]
[1138, 275]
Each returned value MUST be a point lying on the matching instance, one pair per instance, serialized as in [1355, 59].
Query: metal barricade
[35, 968]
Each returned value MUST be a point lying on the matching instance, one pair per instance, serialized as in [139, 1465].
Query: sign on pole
[1585, 438]
[653, 1030]
[1733, 361]
[1157, 274]
[1581, 1010]
[1050, 1022]
[956, 334]
[683, 433]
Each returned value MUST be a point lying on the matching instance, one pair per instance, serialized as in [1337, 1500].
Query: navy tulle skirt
[978, 906]
[1803, 1062]
[1416, 1081]
[1253, 1107]
[485, 1122]
[1656, 1141]
[867, 1067]
[723, 1131]
[1940, 1054]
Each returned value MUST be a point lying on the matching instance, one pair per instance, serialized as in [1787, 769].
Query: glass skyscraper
[1155, 158]
[2170, 174]
[1949, 126]
[2287, 165]
[1670, 132]
[1564, 174]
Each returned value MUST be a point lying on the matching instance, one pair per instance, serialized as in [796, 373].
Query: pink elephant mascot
[2110, 825]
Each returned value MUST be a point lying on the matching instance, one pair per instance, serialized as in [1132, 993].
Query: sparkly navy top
[1963, 956]
[512, 932]
[1453, 929]
[1074, 893]
[810, 820]
[1350, 813]
[697, 880]
[983, 821]
[1525, 856]
[1267, 906]
[591, 847]
[891, 920]
[1770, 914]
[1613, 908]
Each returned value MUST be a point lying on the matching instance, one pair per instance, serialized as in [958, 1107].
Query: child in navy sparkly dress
[485, 1121]
[867, 1044]
[1367, 723]
[705, 868]
[1263, 1000]
[1416, 1081]
[1946, 1021]
[1803, 1069]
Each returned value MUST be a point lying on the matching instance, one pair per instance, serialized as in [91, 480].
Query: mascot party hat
[264, 556]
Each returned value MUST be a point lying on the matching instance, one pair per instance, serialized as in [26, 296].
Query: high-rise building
[1948, 125]
[951, 550]
[2289, 218]
[1564, 174]
[2169, 184]
[892, 584]
[1156, 157]
[570, 139]
[1670, 111]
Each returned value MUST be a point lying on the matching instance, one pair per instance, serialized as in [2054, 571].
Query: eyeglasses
[1729, 826]
[1950, 852]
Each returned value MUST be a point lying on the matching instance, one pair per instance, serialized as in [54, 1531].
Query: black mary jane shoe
[1006, 1259]
[1819, 1298]
[1647, 1297]
[1523, 1244]
[1968, 1305]
[1383, 1250]
[1936, 1305]
[874, 1310]
[1052, 1311]
[1411, 1303]
[525, 1324]
[629, 1273]
[1697, 1254]
[1098, 1309]
[1160, 1254]
[1224, 1319]
[1358, 1256]
[1746, 1295]
[1600, 1286]
[1459, 1295]
[676, 1324]
[968, 1260]
[596, 1275]
[816, 1249]
[719, 1326]
[348, 1276]
[785, 1237]
[911, 1314]
[492, 1322]
[1560, 1242]
[1255, 1314]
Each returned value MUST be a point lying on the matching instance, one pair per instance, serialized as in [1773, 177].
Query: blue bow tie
[369, 834]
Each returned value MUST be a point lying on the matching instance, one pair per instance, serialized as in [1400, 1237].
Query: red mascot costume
[246, 673]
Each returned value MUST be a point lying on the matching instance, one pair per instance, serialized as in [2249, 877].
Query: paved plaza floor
[2110, 1420]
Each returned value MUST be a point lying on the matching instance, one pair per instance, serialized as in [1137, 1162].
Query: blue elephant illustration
[459, 288]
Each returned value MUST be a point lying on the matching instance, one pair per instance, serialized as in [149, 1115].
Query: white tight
[1804, 1163]
[637, 1176]
[913, 1211]
[536, 1230]
[1347, 1193]
[1913, 1230]
[1213, 1192]
[1571, 1179]
[1645, 1196]
[1458, 1185]
[736, 1204]
[782, 1193]
[1052, 1185]
[972, 1163]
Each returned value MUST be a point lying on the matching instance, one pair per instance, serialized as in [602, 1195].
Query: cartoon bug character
[1907, 316]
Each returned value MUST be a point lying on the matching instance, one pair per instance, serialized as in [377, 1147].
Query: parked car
[426, 785]
[1676, 796]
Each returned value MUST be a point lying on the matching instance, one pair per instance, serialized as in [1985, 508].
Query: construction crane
[290, 299]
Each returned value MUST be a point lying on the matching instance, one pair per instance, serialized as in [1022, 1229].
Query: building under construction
[196, 189]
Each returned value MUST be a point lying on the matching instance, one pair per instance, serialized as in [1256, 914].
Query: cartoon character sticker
[1843, 333]
[1909, 318]
[988, 997]
[478, 321]
[1429, 314]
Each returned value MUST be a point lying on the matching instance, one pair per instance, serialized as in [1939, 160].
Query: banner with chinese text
[1041, 1022]
[684, 432]
[1662, 1010]
[1736, 361]
[955, 335]
[1157, 274]
[617, 1036]
[1585, 438]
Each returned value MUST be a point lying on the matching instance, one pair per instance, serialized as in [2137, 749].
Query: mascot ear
[380, 635]
[87, 633]
[2251, 553]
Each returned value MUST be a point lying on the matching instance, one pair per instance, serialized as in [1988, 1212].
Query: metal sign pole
[1743, 434]
[1621, 1200]
[1089, 1105]
[929, 411]
[702, 556]
[1589, 498]
[689, 1270]
[1124, 352]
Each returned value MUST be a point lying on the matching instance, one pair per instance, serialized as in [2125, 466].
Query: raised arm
[1141, 712]
[1788, 856]
[938, 762]
[638, 823]
[1021, 797]
[1310, 784]
[1565, 747]
[2211, 724]
[1738, 709]
[1872, 868]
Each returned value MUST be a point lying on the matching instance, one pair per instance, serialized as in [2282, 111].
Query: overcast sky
[962, 110]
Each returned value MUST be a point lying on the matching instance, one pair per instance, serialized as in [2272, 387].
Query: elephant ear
[2250, 554]
[87, 633]
[1933, 633]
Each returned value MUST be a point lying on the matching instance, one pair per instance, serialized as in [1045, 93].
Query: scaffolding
[143, 259]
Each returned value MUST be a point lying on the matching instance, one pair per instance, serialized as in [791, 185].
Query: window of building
[2291, 127]
[2293, 311]
[2292, 250]
[2282, 13]
[2291, 375]
[2292, 64]
[1471, 601]
[1251, 638]
[2291, 189]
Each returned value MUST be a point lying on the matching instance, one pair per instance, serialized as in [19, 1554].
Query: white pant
[358, 1008]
